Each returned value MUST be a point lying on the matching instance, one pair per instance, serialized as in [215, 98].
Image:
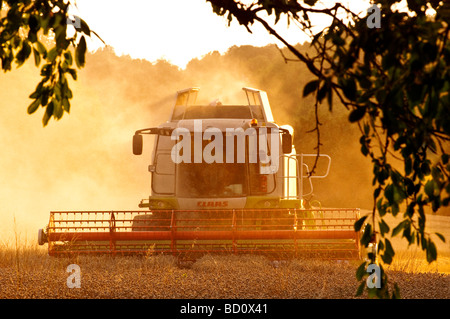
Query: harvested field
[32, 274]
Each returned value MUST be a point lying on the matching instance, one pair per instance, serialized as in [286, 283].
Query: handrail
[299, 174]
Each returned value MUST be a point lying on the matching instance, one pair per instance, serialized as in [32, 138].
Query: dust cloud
[85, 162]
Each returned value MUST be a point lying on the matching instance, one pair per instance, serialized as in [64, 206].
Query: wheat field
[26, 271]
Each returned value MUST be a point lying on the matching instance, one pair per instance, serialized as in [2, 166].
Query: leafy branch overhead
[24, 28]
[395, 82]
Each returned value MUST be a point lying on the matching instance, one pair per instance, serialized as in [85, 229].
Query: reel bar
[182, 232]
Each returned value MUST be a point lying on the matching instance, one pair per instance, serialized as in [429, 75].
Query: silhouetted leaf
[349, 88]
[310, 87]
[359, 223]
[84, 27]
[322, 92]
[360, 289]
[441, 237]
[384, 228]
[399, 228]
[357, 114]
[52, 54]
[361, 271]
[33, 106]
[431, 251]
[80, 52]
[310, 2]
[367, 235]
[37, 57]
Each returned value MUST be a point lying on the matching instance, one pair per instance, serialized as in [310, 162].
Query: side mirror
[286, 143]
[137, 144]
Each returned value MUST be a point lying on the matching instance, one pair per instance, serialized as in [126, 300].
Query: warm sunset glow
[178, 30]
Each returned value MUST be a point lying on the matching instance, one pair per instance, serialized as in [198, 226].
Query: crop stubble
[35, 275]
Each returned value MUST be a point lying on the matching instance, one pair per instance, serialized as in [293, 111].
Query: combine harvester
[225, 180]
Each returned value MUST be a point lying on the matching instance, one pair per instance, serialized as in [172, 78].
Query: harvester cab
[220, 156]
[224, 179]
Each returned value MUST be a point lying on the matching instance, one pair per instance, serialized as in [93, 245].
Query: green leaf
[33, 106]
[359, 223]
[367, 235]
[361, 271]
[69, 94]
[322, 92]
[310, 2]
[68, 57]
[37, 93]
[57, 109]
[389, 248]
[387, 259]
[60, 37]
[41, 48]
[360, 289]
[407, 232]
[48, 113]
[336, 39]
[430, 189]
[376, 192]
[44, 97]
[381, 207]
[66, 105]
[399, 228]
[33, 23]
[80, 53]
[84, 27]
[380, 245]
[445, 158]
[389, 193]
[310, 87]
[37, 57]
[408, 166]
[349, 88]
[388, 252]
[357, 114]
[431, 251]
[425, 168]
[441, 237]
[395, 209]
[24, 53]
[384, 228]
[73, 73]
[51, 56]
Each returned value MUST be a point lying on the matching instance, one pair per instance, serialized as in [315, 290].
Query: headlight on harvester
[268, 204]
[159, 204]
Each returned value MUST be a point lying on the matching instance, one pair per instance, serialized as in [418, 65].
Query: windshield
[211, 180]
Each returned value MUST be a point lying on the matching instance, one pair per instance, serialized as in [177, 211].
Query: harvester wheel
[42, 237]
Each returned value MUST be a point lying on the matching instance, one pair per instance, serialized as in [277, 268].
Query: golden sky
[178, 30]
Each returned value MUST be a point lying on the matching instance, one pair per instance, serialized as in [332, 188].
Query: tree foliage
[24, 26]
[394, 78]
